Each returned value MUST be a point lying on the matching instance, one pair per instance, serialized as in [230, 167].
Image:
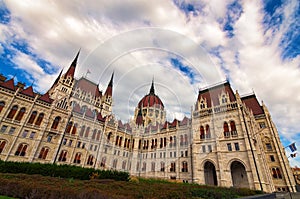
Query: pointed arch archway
[210, 174]
[239, 175]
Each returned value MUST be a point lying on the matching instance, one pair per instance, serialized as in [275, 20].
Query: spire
[72, 67]
[152, 87]
[110, 85]
[57, 79]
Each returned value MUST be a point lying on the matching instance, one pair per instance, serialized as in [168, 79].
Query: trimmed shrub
[63, 171]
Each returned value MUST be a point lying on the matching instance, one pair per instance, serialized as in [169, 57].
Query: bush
[63, 171]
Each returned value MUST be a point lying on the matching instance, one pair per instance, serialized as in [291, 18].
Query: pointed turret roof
[46, 98]
[152, 91]
[108, 91]
[57, 79]
[72, 67]
[9, 84]
[28, 91]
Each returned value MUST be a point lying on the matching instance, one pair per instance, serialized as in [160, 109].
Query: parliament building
[227, 140]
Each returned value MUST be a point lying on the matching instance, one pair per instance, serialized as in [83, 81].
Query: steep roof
[72, 67]
[213, 93]
[151, 99]
[28, 91]
[9, 84]
[109, 88]
[46, 98]
[88, 86]
[252, 103]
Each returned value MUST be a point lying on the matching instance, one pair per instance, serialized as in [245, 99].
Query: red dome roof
[151, 99]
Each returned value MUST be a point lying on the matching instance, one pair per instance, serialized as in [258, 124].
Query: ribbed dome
[151, 99]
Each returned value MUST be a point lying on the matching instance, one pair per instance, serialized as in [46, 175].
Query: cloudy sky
[182, 45]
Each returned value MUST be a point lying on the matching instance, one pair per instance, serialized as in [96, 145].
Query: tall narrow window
[207, 129]
[124, 165]
[55, 122]
[184, 166]
[87, 132]
[173, 167]
[229, 147]
[39, 119]
[152, 166]
[21, 151]
[12, 112]
[63, 156]
[233, 128]
[82, 131]
[94, 134]
[226, 129]
[20, 114]
[90, 160]
[43, 153]
[109, 136]
[77, 158]
[32, 117]
[69, 126]
[202, 132]
[162, 166]
[117, 140]
[2, 104]
[103, 161]
[2, 145]
[98, 135]
[74, 129]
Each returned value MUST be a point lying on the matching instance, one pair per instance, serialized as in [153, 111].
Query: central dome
[151, 100]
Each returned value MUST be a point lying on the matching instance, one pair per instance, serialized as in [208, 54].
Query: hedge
[63, 171]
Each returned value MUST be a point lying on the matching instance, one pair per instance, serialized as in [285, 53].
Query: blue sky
[254, 44]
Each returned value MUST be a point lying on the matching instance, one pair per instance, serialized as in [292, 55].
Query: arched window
[77, 158]
[32, 117]
[278, 173]
[233, 128]
[109, 136]
[120, 141]
[2, 104]
[21, 151]
[173, 167]
[39, 119]
[20, 114]
[202, 136]
[184, 166]
[94, 134]
[63, 156]
[124, 165]
[117, 140]
[2, 145]
[162, 166]
[98, 135]
[207, 129]
[55, 122]
[74, 129]
[87, 132]
[90, 160]
[144, 166]
[12, 112]
[103, 161]
[69, 126]
[274, 174]
[43, 153]
[115, 162]
[226, 129]
[82, 131]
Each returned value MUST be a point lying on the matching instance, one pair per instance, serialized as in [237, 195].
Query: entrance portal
[210, 174]
[239, 175]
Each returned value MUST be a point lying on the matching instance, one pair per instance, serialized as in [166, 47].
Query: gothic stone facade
[227, 141]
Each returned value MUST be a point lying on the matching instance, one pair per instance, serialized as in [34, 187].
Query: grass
[38, 186]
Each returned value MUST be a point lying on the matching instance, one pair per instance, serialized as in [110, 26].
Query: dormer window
[224, 99]
[202, 105]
